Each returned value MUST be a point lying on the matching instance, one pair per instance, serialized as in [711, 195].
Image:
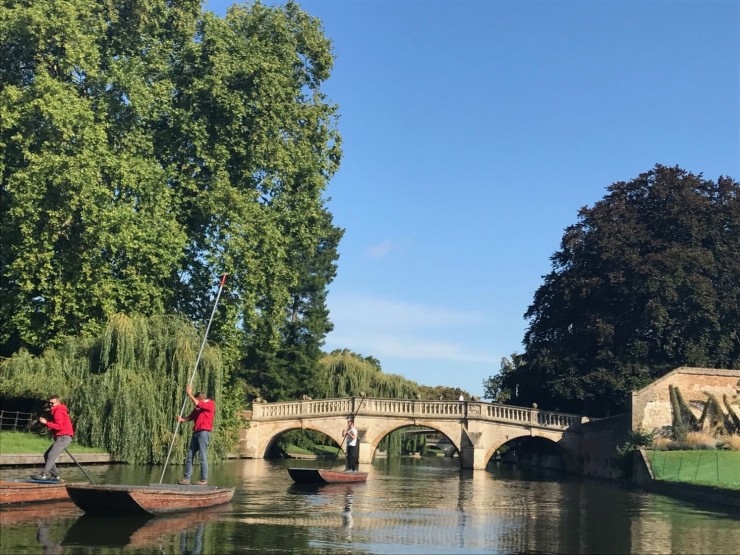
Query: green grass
[321, 450]
[22, 443]
[706, 467]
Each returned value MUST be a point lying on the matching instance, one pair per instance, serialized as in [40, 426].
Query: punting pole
[192, 376]
[362, 402]
[78, 464]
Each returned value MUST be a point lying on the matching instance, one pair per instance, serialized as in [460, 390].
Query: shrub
[663, 444]
[731, 443]
[699, 440]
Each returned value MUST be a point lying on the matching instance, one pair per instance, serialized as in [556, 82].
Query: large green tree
[146, 147]
[646, 281]
[293, 369]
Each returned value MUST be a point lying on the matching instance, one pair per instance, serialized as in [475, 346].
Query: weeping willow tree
[125, 388]
[347, 374]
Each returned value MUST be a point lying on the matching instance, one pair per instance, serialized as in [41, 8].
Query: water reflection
[409, 506]
[197, 540]
[142, 531]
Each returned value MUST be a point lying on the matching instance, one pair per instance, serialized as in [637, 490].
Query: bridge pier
[473, 458]
[366, 453]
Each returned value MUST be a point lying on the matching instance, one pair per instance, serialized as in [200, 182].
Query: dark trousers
[353, 456]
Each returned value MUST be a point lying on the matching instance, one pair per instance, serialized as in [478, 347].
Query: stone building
[651, 405]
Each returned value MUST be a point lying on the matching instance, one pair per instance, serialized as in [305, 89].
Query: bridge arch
[569, 462]
[382, 430]
[476, 429]
[330, 428]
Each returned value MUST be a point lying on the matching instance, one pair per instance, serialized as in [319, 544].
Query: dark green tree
[503, 387]
[292, 371]
[148, 147]
[646, 281]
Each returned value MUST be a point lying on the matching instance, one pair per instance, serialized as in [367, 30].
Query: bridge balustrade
[537, 417]
[293, 409]
[411, 408]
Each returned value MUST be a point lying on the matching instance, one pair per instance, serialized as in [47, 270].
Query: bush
[699, 440]
[663, 444]
[731, 443]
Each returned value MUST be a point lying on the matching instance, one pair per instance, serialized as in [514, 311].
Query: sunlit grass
[706, 467]
[320, 450]
[22, 443]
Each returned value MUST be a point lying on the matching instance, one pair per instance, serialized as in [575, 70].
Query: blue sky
[475, 130]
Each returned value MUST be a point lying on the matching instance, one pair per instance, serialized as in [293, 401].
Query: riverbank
[37, 459]
[644, 477]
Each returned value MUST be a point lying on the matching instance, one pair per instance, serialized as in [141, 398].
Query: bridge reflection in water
[475, 429]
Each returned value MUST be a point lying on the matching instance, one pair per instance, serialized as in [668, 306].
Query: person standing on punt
[353, 449]
[202, 414]
[61, 424]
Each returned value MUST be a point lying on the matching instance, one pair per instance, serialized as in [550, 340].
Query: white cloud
[382, 314]
[380, 250]
[388, 328]
[409, 347]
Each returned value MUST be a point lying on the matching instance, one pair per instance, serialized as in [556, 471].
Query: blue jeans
[199, 442]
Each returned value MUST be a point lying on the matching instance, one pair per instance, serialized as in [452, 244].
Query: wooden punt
[150, 499]
[31, 491]
[324, 476]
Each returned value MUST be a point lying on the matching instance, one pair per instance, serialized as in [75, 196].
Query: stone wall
[598, 450]
[651, 406]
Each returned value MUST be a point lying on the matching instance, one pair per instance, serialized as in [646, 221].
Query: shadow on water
[139, 531]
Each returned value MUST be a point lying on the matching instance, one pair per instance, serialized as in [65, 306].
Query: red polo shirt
[203, 416]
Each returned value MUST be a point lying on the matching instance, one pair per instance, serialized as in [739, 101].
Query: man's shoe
[40, 476]
[184, 482]
[203, 482]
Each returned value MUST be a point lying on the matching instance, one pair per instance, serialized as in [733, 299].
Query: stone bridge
[476, 429]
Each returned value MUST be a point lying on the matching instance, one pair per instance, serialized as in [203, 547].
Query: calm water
[423, 506]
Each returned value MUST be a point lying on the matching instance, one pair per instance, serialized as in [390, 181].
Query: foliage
[501, 388]
[442, 392]
[146, 147]
[347, 374]
[687, 415]
[678, 424]
[289, 372]
[713, 418]
[644, 282]
[637, 439]
[125, 388]
[732, 416]
[699, 440]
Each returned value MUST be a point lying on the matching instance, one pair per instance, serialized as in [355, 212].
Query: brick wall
[651, 406]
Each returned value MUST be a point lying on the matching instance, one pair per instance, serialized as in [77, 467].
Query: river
[424, 506]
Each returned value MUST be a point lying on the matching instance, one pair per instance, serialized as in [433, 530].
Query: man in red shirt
[63, 433]
[202, 414]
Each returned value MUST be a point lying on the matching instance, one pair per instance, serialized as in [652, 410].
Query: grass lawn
[22, 443]
[706, 467]
[320, 450]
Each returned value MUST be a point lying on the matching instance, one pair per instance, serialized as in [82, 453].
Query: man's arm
[189, 390]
